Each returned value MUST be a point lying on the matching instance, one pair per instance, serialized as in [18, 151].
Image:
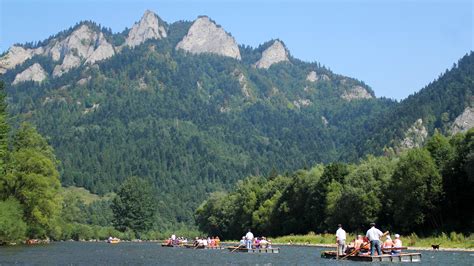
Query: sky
[395, 47]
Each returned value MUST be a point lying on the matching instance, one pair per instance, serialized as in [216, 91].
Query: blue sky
[396, 47]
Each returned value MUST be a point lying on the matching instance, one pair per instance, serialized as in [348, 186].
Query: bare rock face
[357, 92]
[302, 103]
[83, 44]
[204, 36]
[147, 28]
[464, 121]
[276, 53]
[415, 136]
[312, 76]
[16, 55]
[244, 88]
[34, 73]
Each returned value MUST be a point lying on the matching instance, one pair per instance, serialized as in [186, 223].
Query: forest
[423, 190]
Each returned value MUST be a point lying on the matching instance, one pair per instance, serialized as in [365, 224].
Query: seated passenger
[242, 242]
[388, 244]
[397, 243]
[358, 242]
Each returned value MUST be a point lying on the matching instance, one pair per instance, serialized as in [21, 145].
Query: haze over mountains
[186, 107]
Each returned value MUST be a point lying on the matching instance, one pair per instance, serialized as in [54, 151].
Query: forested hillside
[424, 191]
[191, 123]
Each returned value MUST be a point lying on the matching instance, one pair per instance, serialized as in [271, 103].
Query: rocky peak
[464, 121]
[149, 27]
[82, 44]
[33, 73]
[204, 36]
[276, 53]
[357, 92]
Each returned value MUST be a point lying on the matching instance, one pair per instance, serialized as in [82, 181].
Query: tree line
[34, 206]
[424, 190]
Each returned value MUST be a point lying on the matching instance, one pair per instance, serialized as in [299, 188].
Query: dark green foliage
[32, 178]
[4, 129]
[416, 190]
[12, 226]
[458, 184]
[402, 194]
[134, 206]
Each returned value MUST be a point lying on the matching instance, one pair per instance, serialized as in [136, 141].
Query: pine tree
[4, 129]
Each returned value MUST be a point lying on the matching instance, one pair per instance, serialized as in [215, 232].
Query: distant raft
[191, 246]
[254, 250]
[113, 241]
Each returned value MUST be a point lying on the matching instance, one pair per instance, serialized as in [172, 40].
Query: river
[83, 253]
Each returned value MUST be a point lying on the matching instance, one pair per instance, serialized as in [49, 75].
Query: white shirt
[374, 234]
[249, 236]
[173, 237]
[397, 243]
[341, 234]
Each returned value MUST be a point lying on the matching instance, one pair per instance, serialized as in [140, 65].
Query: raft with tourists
[400, 257]
[370, 248]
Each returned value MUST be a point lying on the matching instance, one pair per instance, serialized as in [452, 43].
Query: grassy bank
[451, 240]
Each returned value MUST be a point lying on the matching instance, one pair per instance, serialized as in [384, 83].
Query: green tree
[441, 150]
[416, 191]
[33, 179]
[12, 226]
[134, 206]
[4, 129]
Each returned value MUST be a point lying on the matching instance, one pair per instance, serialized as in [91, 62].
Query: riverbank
[446, 242]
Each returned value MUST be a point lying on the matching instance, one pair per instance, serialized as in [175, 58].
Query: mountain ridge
[202, 121]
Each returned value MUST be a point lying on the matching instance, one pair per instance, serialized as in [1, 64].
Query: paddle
[350, 254]
[236, 248]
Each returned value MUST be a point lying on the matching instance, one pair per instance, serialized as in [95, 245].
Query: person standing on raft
[374, 235]
[340, 240]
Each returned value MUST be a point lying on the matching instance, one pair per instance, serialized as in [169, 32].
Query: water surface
[80, 253]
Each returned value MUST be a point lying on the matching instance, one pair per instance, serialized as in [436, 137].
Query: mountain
[184, 106]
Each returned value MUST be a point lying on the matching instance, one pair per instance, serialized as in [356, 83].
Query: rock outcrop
[16, 55]
[204, 36]
[33, 73]
[149, 27]
[82, 44]
[312, 76]
[415, 136]
[302, 103]
[357, 92]
[464, 121]
[276, 53]
[244, 87]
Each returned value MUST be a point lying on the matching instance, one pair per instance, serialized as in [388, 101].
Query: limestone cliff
[276, 53]
[16, 55]
[357, 92]
[82, 44]
[464, 121]
[33, 73]
[204, 36]
[415, 136]
[149, 27]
